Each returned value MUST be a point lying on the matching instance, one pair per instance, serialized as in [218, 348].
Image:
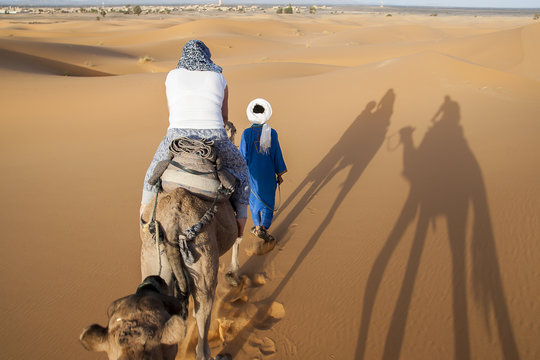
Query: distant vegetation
[288, 9]
[536, 16]
[111, 11]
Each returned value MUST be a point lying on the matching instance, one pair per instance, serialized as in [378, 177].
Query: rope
[156, 226]
[204, 148]
[389, 139]
[266, 206]
[399, 142]
[158, 190]
[191, 233]
[191, 171]
[158, 253]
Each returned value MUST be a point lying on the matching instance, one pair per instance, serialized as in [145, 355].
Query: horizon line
[66, 3]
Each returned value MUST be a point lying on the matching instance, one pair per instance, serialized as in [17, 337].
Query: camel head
[231, 130]
[142, 326]
[406, 132]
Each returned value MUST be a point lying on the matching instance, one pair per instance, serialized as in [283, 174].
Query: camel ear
[94, 338]
[174, 331]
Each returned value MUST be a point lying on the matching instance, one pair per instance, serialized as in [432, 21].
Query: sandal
[261, 233]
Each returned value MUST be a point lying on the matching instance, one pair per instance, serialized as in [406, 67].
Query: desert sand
[409, 220]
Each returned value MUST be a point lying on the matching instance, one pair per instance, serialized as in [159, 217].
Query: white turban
[261, 119]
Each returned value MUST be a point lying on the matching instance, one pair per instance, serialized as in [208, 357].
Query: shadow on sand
[355, 149]
[445, 181]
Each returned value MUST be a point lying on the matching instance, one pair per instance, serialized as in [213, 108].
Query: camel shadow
[355, 149]
[445, 181]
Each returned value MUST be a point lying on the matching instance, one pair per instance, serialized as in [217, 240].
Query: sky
[437, 3]
[469, 3]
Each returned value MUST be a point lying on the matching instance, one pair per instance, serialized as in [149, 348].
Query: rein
[191, 233]
[266, 206]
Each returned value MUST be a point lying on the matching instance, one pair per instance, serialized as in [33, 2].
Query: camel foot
[232, 279]
[224, 357]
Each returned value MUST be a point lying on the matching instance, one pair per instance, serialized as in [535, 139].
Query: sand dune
[515, 53]
[428, 256]
[16, 61]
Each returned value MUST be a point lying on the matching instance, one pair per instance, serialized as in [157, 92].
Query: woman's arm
[225, 105]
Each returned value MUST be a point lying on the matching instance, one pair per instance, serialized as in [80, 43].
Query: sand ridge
[393, 244]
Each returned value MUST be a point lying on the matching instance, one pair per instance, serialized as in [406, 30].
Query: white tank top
[195, 99]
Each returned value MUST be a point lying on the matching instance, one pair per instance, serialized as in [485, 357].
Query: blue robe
[263, 169]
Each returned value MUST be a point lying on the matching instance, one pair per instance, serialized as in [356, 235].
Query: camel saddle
[195, 166]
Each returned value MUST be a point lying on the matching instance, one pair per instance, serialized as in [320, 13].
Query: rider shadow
[445, 181]
[355, 149]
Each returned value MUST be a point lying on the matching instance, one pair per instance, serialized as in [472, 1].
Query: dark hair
[258, 109]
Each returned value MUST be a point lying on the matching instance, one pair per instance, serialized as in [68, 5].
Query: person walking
[260, 148]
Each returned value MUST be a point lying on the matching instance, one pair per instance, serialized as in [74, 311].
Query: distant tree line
[289, 10]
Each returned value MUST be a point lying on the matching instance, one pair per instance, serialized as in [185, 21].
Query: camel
[231, 130]
[175, 211]
[144, 325]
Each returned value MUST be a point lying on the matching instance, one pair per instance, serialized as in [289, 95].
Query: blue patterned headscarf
[196, 56]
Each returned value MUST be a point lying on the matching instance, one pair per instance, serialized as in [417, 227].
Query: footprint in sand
[276, 311]
[265, 345]
[259, 279]
[260, 247]
[237, 314]
[273, 315]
